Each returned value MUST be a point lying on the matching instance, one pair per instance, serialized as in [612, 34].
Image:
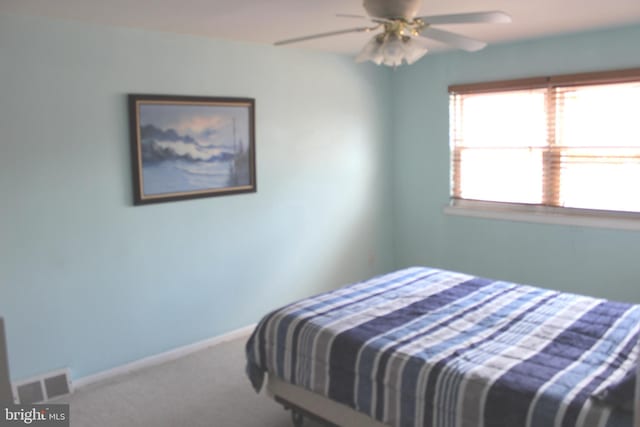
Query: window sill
[545, 214]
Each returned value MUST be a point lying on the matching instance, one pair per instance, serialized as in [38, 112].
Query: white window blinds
[566, 141]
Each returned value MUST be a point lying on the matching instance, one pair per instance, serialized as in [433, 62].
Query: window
[554, 142]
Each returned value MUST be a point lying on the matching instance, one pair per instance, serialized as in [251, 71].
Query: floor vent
[44, 387]
[30, 392]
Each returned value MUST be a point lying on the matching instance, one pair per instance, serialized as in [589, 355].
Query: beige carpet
[207, 388]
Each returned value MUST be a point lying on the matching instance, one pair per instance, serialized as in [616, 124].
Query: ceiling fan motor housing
[392, 9]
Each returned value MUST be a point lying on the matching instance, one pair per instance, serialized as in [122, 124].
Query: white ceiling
[266, 21]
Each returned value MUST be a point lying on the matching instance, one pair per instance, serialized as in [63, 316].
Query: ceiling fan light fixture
[372, 51]
[391, 49]
[413, 51]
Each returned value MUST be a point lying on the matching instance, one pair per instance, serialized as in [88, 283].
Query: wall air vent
[44, 387]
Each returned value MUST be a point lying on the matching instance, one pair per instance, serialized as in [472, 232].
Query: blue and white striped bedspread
[434, 348]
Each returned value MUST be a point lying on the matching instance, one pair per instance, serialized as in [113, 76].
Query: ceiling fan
[404, 35]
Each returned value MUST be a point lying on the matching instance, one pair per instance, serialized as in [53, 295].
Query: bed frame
[305, 404]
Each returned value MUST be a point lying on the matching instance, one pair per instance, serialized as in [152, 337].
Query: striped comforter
[428, 347]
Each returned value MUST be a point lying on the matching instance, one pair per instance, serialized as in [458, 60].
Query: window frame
[534, 212]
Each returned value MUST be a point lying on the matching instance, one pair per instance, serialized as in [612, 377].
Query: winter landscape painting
[187, 147]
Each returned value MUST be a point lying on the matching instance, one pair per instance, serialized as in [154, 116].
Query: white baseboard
[167, 356]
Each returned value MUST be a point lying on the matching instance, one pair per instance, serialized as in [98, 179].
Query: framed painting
[184, 147]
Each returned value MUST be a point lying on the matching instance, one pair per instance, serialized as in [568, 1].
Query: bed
[425, 347]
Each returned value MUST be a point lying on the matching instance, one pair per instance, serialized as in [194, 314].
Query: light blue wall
[349, 185]
[583, 260]
[91, 282]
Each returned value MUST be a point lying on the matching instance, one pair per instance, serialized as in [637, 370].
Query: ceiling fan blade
[351, 15]
[453, 39]
[491, 17]
[368, 18]
[421, 41]
[327, 34]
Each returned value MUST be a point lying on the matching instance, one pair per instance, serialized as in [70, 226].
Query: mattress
[435, 348]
